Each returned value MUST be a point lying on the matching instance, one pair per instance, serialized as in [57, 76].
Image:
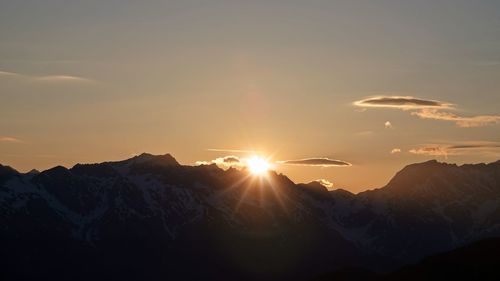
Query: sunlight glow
[258, 165]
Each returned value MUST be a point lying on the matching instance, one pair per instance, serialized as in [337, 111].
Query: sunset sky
[350, 90]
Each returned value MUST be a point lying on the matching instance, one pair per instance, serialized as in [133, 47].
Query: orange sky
[91, 81]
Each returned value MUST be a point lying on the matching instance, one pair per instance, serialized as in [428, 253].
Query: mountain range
[475, 261]
[151, 218]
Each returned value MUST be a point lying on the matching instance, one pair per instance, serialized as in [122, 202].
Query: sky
[346, 91]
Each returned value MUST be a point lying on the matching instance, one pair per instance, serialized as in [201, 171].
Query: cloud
[457, 149]
[364, 133]
[430, 150]
[428, 109]
[322, 162]
[225, 162]
[395, 150]
[61, 78]
[10, 139]
[47, 78]
[6, 73]
[388, 125]
[231, 159]
[401, 102]
[200, 163]
[232, 150]
[465, 122]
[326, 183]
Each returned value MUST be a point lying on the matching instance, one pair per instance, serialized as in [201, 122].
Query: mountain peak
[5, 168]
[151, 202]
[430, 174]
[33, 171]
[432, 163]
[156, 160]
[7, 172]
[496, 163]
[415, 175]
[164, 160]
[314, 187]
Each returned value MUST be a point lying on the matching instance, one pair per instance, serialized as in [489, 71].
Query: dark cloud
[401, 102]
[323, 162]
[469, 146]
[231, 159]
[428, 109]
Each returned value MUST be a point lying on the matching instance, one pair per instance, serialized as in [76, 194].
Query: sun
[258, 165]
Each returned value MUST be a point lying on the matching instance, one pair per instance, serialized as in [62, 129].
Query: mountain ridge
[168, 160]
[152, 212]
[475, 261]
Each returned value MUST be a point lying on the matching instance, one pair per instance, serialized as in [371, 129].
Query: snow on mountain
[186, 211]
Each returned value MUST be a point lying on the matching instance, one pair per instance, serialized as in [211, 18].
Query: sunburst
[258, 165]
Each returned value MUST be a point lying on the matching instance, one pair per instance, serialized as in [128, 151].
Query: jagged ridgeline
[150, 218]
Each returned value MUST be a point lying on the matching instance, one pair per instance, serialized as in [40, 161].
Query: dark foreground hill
[150, 218]
[477, 261]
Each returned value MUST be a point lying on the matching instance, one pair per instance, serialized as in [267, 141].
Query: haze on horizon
[347, 91]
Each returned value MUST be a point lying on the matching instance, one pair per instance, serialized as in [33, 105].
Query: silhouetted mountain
[33, 172]
[315, 188]
[150, 218]
[427, 208]
[477, 261]
[6, 172]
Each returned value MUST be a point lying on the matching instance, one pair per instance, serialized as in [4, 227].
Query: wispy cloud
[46, 78]
[6, 73]
[428, 109]
[42, 61]
[365, 133]
[321, 162]
[461, 121]
[10, 139]
[61, 78]
[480, 147]
[401, 102]
[232, 150]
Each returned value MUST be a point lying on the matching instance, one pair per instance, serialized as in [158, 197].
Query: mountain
[151, 218]
[426, 208]
[6, 172]
[476, 261]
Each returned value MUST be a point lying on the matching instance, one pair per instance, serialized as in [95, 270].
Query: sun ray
[277, 195]
[244, 194]
[234, 185]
